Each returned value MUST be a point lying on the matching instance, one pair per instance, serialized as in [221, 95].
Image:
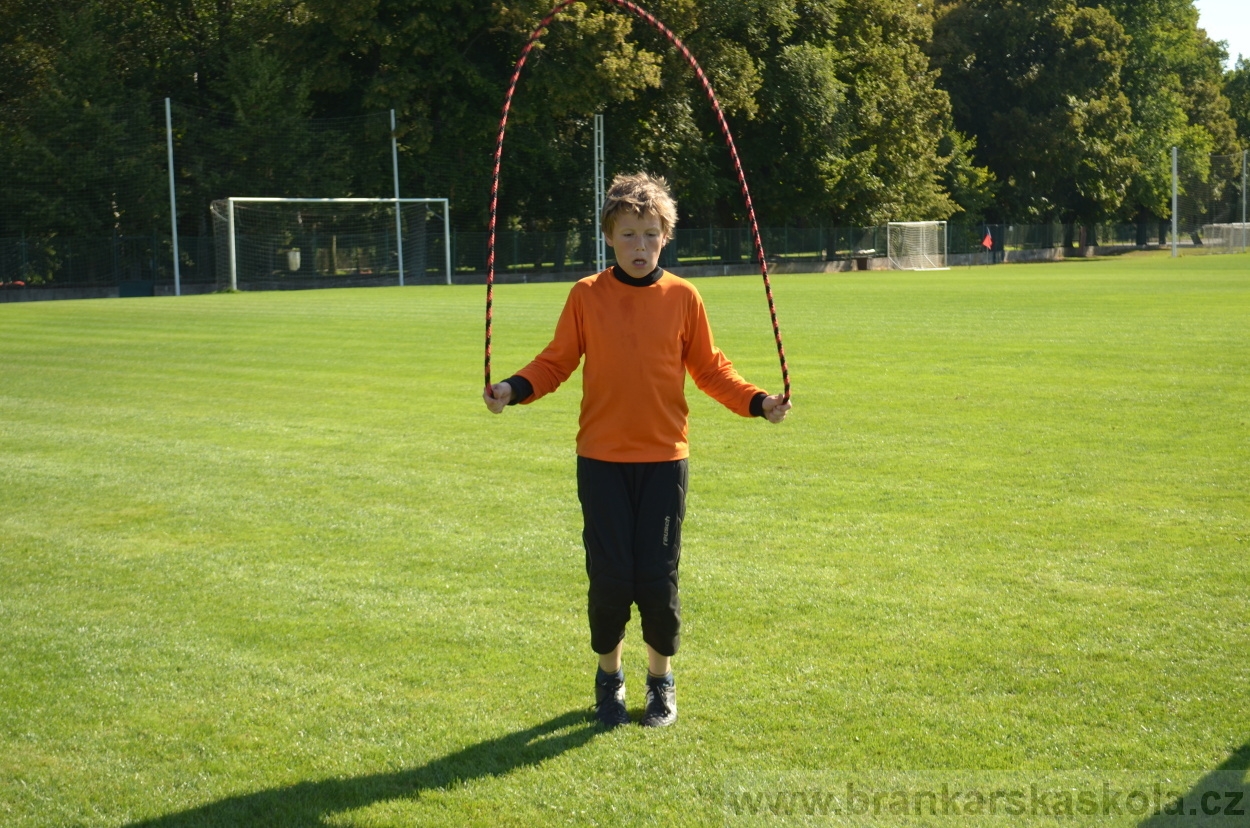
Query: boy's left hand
[497, 396]
[774, 409]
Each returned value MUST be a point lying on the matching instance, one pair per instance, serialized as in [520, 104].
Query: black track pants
[632, 515]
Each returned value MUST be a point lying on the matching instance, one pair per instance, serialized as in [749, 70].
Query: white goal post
[916, 245]
[379, 238]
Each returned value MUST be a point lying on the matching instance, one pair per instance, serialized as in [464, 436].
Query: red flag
[988, 241]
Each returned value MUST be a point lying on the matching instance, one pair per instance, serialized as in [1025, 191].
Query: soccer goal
[307, 242]
[1230, 237]
[916, 245]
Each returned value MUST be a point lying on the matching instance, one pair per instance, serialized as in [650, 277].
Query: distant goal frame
[924, 260]
[399, 239]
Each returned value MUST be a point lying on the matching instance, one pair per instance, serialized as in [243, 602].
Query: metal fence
[58, 262]
[106, 218]
[520, 252]
[90, 203]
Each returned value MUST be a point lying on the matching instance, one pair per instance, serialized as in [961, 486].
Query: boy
[640, 329]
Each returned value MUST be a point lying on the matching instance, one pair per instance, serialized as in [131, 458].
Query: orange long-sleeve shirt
[639, 341]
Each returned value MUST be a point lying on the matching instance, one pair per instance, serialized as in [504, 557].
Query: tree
[29, 37]
[1172, 78]
[972, 188]
[832, 103]
[669, 127]
[443, 66]
[1237, 90]
[796, 146]
[1038, 82]
[83, 155]
[899, 116]
[263, 141]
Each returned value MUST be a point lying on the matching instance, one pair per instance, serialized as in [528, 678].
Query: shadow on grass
[1221, 798]
[310, 803]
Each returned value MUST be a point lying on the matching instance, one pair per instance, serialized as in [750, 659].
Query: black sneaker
[661, 709]
[610, 699]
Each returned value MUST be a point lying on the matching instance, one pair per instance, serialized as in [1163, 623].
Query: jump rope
[724, 127]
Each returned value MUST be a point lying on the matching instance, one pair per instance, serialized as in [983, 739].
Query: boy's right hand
[775, 408]
[497, 397]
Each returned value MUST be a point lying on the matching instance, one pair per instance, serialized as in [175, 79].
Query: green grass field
[266, 559]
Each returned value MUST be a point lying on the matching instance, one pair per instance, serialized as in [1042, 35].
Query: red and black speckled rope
[724, 126]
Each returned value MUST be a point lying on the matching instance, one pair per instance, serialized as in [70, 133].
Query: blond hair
[640, 193]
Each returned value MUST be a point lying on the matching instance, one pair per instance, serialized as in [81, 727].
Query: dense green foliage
[268, 560]
[1237, 88]
[1039, 84]
[846, 111]
[1075, 105]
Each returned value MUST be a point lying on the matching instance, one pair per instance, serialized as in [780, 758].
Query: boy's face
[637, 241]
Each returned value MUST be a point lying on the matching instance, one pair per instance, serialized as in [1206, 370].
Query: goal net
[916, 245]
[276, 243]
[1233, 237]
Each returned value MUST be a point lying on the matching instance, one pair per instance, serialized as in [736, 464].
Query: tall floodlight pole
[399, 225]
[233, 250]
[601, 250]
[173, 199]
[447, 237]
[1245, 155]
[1175, 201]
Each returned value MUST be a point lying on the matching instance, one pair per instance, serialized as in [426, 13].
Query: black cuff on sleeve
[757, 405]
[522, 390]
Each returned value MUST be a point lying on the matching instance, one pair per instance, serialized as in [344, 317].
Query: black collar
[650, 279]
